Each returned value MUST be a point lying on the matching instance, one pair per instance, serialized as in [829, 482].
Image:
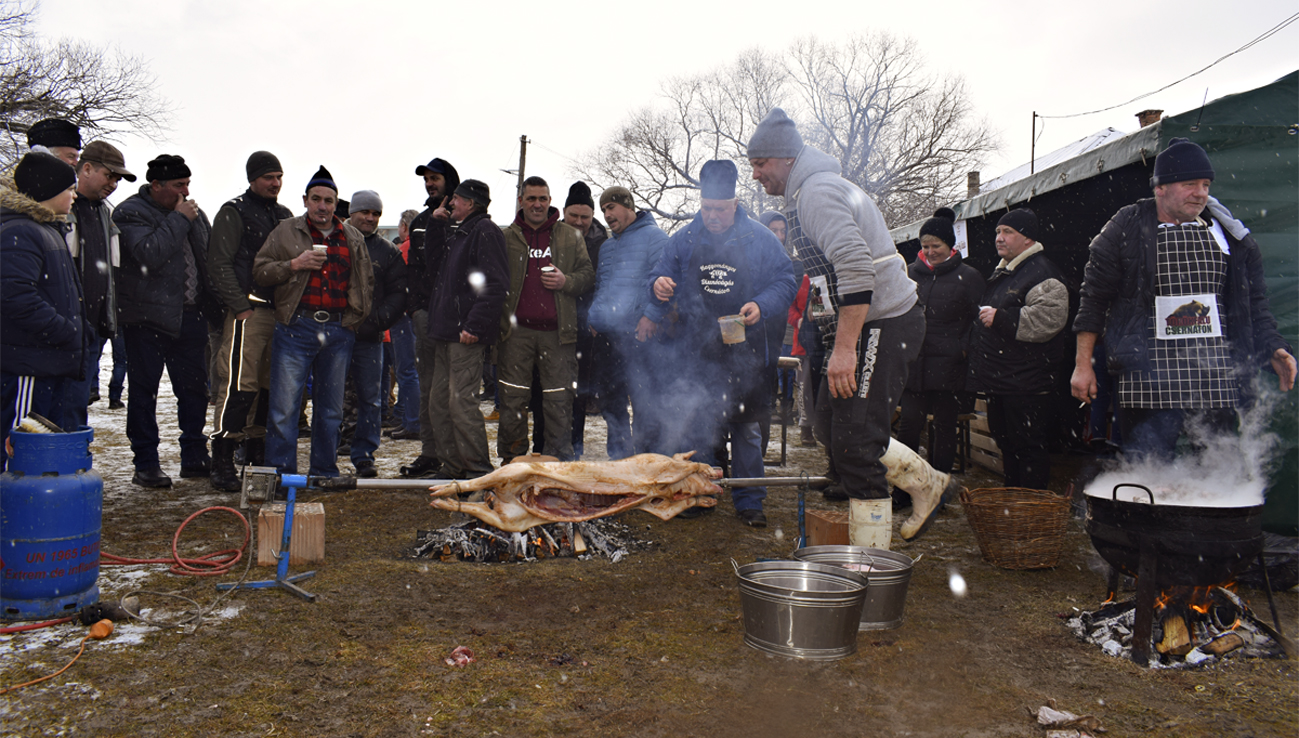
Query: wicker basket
[1017, 528]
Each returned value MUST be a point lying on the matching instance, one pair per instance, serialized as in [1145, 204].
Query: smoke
[1221, 469]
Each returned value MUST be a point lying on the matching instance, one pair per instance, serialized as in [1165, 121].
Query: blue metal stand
[282, 578]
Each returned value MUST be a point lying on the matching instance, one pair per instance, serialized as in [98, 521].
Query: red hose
[34, 626]
[209, 565]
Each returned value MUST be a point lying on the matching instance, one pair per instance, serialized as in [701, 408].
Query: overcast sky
[373, 89]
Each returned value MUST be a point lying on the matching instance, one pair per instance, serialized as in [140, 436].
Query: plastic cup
[732, 328]
[320, 248]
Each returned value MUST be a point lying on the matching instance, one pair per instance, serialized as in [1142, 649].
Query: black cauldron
[1194, 546]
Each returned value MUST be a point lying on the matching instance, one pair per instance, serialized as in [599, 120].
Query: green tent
[1253, 139]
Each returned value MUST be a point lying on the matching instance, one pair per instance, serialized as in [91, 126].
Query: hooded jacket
[476, 245]
[950, 293]
[292, 237]
[568, 254]
[622, 280]
[1118, 294]
[843, 221]
[45, 333]
[151, 282]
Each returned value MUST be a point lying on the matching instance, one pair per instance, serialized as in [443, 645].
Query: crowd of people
[258, 310]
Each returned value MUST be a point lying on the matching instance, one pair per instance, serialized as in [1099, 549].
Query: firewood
[1225, 643]
[579, 545]
[1177, 640]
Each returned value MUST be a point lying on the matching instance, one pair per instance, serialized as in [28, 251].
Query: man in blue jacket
[619, 310]
[724, 264]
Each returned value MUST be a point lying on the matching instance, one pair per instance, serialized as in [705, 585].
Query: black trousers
[1019, 425]
[944, 406]
[855, 430]
[148, 353]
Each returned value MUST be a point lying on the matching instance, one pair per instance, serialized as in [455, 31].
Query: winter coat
[389, 300]
[151, 282]
[424, 255]
[596, 235]
[950, 294]
[1118, 294]
[455, 305]
[844, 223]
[97, 272]
[622, 280]
[292, 237]
[772, 290]
[238, 232]
[1021, 352]
[568, 254]
[45, 333]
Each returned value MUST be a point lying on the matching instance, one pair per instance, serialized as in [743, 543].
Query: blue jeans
[367, 361]
[402, 334]
[323, 350]
[150, 351]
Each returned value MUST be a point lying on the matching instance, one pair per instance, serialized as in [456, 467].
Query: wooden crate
[308, 544]
[983, 450]
[826, 528]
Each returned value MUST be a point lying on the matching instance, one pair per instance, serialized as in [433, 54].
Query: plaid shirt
[327, 288]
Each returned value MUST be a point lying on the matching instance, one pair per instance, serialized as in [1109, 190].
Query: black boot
[224, 477]
[255, 451]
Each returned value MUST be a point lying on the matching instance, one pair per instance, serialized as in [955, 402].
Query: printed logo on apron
[1187, 316]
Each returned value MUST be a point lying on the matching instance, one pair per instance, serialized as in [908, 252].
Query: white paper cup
[320, 248]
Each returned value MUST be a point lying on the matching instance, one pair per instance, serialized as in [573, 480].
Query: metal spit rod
[349, 482]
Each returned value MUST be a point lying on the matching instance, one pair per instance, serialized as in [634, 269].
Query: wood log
[1225, 643]
[1177, 639]
[308, 544]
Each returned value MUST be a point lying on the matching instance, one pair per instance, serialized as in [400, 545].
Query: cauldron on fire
[1166, 546]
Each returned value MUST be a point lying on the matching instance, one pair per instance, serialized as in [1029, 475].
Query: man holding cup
[731, 283]
[324, 283]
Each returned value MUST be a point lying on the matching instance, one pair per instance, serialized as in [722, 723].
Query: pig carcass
[521, 495]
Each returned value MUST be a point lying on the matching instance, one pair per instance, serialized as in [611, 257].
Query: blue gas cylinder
[51, 505]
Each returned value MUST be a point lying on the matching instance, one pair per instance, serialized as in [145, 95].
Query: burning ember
[1192, 625]
[475, 541]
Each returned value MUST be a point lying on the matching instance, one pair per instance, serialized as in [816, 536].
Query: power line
[1262, 37]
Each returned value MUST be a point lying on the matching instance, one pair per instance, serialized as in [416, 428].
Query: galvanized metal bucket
[801, 609]
[888, 572]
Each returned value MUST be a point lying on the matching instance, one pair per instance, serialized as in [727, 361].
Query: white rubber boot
[870, 523]
[928, 487]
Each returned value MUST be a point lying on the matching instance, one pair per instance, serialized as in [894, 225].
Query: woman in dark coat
[950, 291]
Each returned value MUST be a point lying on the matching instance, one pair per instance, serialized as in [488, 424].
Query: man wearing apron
[1182, 303]
[865, 305]
[731, 285]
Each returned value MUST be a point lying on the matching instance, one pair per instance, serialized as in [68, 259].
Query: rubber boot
[870, 523]
[929, 488]
[224, 477]
[255, 451]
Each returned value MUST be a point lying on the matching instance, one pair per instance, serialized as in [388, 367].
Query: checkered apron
[812, 259]
[1189, 373]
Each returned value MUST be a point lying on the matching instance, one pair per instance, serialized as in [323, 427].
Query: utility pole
[523, 159]
[1032, 148]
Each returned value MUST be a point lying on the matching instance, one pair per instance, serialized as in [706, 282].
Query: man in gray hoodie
[865, 306]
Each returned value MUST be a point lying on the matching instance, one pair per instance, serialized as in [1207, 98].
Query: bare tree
[904, 136]
[103, 91]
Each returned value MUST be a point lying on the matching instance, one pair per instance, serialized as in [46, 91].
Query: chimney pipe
[1146, 117]
[971, 185]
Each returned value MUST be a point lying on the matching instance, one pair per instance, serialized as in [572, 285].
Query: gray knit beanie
[366, 200]
[776, 137]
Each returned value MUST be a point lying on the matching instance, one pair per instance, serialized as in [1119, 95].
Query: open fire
[1192, 625]
[476, 541]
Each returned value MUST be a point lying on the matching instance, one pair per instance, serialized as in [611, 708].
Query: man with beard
[463, 320]
[244, 356]
[1181, 300]
[93, 241]
[549, 269]
[725, 264]
[428, 235]
[388, 303]
[165, 303]
[320, 269]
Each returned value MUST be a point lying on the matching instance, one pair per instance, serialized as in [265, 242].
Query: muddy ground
[649, 646]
